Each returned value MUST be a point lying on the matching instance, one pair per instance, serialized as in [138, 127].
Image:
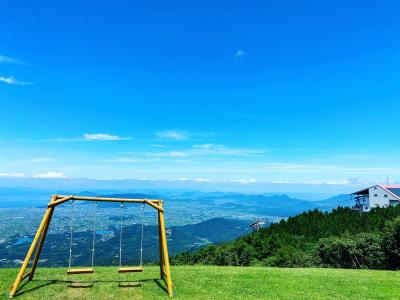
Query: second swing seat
[130, 269]
[80, 271]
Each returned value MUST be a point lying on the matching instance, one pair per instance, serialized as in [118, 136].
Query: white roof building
[379, 195]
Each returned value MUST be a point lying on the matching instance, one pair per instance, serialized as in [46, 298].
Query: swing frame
[40, 236]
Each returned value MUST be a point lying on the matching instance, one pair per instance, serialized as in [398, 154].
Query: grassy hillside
[211, 282]
[343, 238]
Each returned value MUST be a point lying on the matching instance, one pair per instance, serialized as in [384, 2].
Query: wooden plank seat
[130, 269]
[80, 271]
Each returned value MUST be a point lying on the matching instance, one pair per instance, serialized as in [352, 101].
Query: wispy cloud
[13, 81]
[89, 137]
[50, 175]
[240, 53]
[129, 160]
[241, 180]
[10, 60]
[4, 59]
[157, 145]
[37, 160]
[181, 161]
[173, 135]
[40, 160]
[12, 175]
[103, 137]
[210, 150]
[168, 154]
[204, 146]
[217, 149]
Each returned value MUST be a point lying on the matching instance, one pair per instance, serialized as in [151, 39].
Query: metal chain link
[71, 229]
[141, 240]
[120, 238]
[94, 232]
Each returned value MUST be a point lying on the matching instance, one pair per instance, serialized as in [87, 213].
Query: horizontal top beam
[107, 199]
[61, 199]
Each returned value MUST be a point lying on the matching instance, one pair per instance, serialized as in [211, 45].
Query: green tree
[391, 243]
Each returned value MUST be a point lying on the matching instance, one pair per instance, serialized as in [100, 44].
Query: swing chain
[71, 230]
[141, 239]
[94, 232]
[120, 237]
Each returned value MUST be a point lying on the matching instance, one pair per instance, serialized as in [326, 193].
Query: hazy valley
[194, 219]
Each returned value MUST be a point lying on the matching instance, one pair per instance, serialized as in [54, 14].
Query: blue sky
[234, 91]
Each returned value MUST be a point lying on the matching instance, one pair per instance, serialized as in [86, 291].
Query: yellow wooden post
[165, 253]
[160, 244]
[41, 241]
[29, 254]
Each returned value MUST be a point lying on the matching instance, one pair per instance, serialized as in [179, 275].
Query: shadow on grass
[88, 284]
[46, 283]
[160, 285]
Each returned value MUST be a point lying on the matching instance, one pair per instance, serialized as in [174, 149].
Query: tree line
[343, 238]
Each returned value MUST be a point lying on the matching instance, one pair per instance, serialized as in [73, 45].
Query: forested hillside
[341, 238]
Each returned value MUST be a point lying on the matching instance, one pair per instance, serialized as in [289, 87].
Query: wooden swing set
[40, 236]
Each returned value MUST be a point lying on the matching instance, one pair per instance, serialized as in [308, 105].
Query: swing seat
[80, 271]
[130, 269]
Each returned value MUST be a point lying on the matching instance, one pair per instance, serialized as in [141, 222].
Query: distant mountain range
[260, 204]
[109, 186]
[275, 205]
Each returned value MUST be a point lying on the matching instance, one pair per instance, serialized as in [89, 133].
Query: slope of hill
[332, 202]
[206, 282]
[341, 238]
[215, 230]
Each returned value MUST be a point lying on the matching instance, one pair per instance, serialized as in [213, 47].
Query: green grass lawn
[203, 282]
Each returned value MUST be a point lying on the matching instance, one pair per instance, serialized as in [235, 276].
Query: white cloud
[103, 137]
[89, 137]
[240, 53]
[12, 175]
[325, 168]
[328, 182]
[182, 161]
[215, 149]
[202, 180]
[168, 154]
[204, 146]
[39, 160]
[32, 161]
[176, 154]
[209, 150]
[50, 175]
[180, 179]
[172, 135]
[243, 180]
[129, 160]
[157, 145]
[9, 60]
[12, 80]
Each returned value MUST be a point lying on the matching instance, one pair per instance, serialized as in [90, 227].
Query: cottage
[379, 195]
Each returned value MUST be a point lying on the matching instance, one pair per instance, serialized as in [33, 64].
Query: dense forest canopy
[342, 238]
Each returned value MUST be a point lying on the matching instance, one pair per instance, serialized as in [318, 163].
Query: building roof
[393, 189]
[363, 191]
